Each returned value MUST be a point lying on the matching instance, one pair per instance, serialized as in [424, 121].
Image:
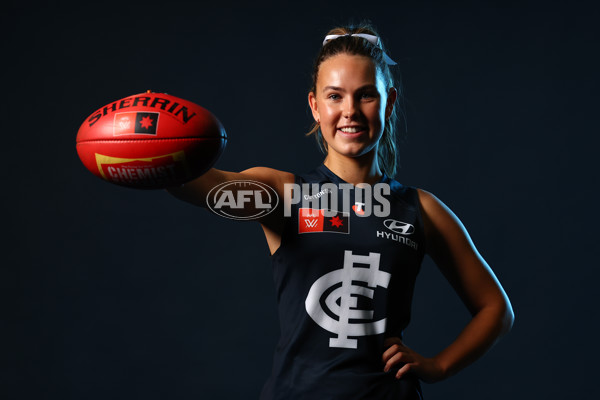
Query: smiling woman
[350, 102]
[372, 49]
[345, 277]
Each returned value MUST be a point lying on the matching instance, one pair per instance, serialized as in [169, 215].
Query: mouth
[352, 131]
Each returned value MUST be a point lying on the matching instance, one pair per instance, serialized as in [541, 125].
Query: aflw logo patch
[311, 220]
[127, 123]
[332, 301]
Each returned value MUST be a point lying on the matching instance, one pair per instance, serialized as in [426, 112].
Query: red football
[150, 141]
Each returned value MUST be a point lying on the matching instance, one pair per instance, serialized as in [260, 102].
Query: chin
[355, 151]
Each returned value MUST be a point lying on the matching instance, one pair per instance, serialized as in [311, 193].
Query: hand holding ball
[150, 141]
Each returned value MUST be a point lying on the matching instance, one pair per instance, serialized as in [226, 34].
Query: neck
[363, 169]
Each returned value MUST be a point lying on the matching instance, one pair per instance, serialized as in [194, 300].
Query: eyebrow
[339, 89]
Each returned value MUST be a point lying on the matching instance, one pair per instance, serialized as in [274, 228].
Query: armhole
[288, 223]
[420, 212]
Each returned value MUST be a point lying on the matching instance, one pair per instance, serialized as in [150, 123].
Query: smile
[352, 129]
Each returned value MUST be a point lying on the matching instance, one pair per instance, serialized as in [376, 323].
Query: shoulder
[405, 194]
[443, 229]
[428, 201]
[434, 208]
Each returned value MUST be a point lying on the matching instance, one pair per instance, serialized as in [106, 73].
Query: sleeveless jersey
[344, 282]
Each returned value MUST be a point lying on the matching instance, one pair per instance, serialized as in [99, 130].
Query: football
[150, 141]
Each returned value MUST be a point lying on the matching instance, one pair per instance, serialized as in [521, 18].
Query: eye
[334, 96]
[368, 96]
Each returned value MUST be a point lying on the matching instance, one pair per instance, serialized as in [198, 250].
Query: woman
[344, 279]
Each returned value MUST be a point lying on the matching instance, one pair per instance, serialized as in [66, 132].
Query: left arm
[451, 248]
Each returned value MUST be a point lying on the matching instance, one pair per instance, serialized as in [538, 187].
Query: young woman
[344, 279]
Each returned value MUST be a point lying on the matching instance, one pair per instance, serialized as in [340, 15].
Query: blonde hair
[386, 153]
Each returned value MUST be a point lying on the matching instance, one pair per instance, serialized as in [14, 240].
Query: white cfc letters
[343, 300]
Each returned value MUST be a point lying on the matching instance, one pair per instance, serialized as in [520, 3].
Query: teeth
[353, 129]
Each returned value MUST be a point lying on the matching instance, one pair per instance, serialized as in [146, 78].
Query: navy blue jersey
[344, 282]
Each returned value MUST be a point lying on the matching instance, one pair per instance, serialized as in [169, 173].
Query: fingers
[409, 361]
[396, 354]
[391, 341]
[406, 368]
[400, 357]
[393, 349]
[389, 353]
[395, 345]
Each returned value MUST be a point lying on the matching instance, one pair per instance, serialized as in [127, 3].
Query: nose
[350, 108]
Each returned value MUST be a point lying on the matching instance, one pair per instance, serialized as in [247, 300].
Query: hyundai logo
[399, 227]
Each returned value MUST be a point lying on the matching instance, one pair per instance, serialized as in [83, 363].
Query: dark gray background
[109, 292]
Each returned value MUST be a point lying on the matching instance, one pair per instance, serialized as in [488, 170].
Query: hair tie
[369, 38]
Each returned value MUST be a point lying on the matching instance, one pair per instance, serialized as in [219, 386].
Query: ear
[389, 107]
[312, 102]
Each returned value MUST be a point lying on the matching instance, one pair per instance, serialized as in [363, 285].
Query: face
[351, 103]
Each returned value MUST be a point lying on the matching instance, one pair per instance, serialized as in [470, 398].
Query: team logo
[399, 227]
[338, 292]
[359, 208]
[311, 220]
[242, 199]
[128, 123]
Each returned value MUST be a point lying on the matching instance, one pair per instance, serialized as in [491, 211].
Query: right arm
[195, 192]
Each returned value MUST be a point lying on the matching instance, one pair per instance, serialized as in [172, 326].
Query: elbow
[507, 317]
[500, 316]
[510, 318]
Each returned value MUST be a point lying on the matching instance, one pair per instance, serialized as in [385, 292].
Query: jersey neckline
[336, 179]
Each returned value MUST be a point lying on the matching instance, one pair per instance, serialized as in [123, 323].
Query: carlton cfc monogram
[346, 307]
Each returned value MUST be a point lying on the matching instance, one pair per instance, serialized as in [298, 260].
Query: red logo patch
[311, 220]
[134, 123]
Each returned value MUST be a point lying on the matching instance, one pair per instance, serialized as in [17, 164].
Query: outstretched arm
[451, 248]
[195, 192]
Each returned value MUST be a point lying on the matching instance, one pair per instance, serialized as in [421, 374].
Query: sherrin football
[150, 141]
